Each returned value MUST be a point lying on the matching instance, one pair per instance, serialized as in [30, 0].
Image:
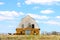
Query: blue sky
[45, 12]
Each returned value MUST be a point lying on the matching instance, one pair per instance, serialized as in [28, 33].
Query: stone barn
[27, 26]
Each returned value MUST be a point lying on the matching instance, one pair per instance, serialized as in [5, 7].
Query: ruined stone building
[27, 26]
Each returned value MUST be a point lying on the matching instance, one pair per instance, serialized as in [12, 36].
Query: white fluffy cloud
[58, 17]
[21, 13]
[52, 22]
[9, 13]
[1, 3]
[5, 18]
[4, 15]
[49, 2]
[18, 4]
[47, 11]
[36, 16]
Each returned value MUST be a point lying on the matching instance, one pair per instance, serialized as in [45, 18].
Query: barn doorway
[27, 32]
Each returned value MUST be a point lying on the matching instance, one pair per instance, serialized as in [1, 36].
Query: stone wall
[22, 31]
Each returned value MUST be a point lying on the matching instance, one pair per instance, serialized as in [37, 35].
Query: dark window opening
[32, 25]
[21, 32]
[22, 25]
[29, 25]
[34, 32]
[39, 29]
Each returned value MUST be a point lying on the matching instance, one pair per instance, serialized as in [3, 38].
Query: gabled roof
[28, 17]
[26, 20]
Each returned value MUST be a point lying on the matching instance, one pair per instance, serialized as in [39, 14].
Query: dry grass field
[29, 37]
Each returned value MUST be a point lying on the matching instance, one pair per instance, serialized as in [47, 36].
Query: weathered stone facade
[28, 26]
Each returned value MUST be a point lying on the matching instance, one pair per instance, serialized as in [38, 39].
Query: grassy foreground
[29, 37]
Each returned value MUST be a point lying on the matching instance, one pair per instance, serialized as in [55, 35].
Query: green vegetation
[29, 37]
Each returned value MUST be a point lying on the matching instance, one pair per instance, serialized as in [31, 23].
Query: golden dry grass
[29, 37]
